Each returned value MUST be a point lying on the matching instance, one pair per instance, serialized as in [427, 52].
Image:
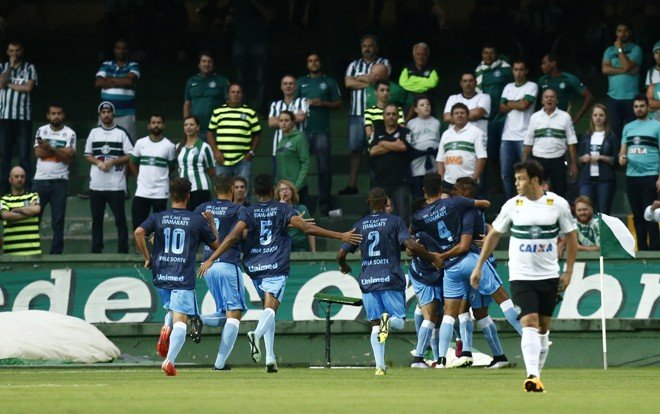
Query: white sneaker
[421, 365]
[499, 364]
[462, 362]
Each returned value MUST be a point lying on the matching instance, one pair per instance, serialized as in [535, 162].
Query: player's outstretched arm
[420, 251]
[571, 252]
[341, 260]
[233, 236]
[348, 237]
[482, 204]
[489, 245]
[461, 247]
[141, 240]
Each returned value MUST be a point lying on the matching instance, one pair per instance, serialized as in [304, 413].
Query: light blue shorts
[356, 138]
[456, 282]
[391, 301]
[273, 285]
[426, 293]
[181, 301]
[225, 282]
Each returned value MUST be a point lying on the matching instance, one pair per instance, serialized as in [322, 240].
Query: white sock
[377, 347]
[545, 338]
[397, 323]
[466, 326]
[531, 349]
[269, 341]
[177, 338]
[446, 329]
[266, 319]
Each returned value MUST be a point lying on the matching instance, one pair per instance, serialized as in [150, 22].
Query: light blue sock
[511, 315]
[266, 319]
[419, 318]
[168, 319]
[467, 329]
[269, 341]
[214, 319]
[434, 344]
[177, 338]
[423, 337]
[446, 328]
[489, 329]
[227, 341]
[397, 323]
[378, 348]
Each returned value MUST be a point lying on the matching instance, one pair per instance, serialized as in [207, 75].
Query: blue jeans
[510, 154]
[620, 112]
[15, 134]
[320, 146]
[600, 192]
[242, 169]
[53, 192]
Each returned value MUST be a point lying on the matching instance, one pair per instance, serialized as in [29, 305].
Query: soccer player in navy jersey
[177, 234]
[381, 279]
[442, 220]
[266, 256]
[224, 278]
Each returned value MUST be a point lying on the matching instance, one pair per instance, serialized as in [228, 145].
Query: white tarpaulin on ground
[41, 335]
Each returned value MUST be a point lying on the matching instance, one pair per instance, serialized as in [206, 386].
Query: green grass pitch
[300, 390]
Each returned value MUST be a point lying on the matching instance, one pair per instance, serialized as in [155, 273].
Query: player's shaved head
[432, 184]
[180, 189]
[223, 184]
[263, 185]
[377, 199]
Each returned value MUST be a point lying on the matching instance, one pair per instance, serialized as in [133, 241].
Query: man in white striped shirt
[17, 79]
[289, 102]
[357, 79]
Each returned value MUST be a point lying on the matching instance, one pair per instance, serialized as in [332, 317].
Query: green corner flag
[616, 241]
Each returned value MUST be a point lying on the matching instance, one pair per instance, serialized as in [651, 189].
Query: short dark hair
[641, 97]
[418, 204]
[432, 184]
[377, 198]
[391, 104]
[206, 53]
[467, 184]
[420, 98]
[241, 179]
[489, 45]
[290, 114]
[519, 60]
[552, 57]
[54, 104]
[622, 22]
[381, 82]
[156, 115]
[468, 72]
[459, 105]
[532, 167]
[223, 183]
[263, 185]
[313, 53]
[180, 189]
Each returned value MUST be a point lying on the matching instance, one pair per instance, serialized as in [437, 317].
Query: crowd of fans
[497, 118]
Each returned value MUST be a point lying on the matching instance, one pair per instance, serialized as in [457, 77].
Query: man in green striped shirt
[234, 135]
[20, 217]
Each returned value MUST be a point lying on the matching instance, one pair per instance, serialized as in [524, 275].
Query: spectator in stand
[587, 225]
[234, 135]
[398, 95]
[597, 153]
[653, 84]
[108, 149]
[462, 150]
[549, 135]
[492, 75]
[639, 153]
[322, 94]
[300, 242]
[20, 212]
[204, 92]
[289, 102]
[152, 160]
[390, 162]
[196, 163]
[373, 116]
[357, 79]
[621, 64]
[240, 191]
[517, 103]
[17, 80]
[418, 78]
[292, 152]
[423, 144]
[477, 102]
[565, 84]
[54, 147]
[117, 79]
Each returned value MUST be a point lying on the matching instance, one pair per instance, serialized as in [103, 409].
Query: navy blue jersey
[267, 250]
[177, 234]
[421, 270]
[382, 237]
[474, 223]
[443, 221]
[225, 214]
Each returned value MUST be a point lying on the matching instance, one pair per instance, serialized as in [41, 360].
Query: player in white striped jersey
[357, 79]
[535, 219]
[289, 102]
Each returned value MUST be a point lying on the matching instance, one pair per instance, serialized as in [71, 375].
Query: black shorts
[535, 296]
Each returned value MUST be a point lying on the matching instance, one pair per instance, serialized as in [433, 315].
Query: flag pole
[602, 311]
